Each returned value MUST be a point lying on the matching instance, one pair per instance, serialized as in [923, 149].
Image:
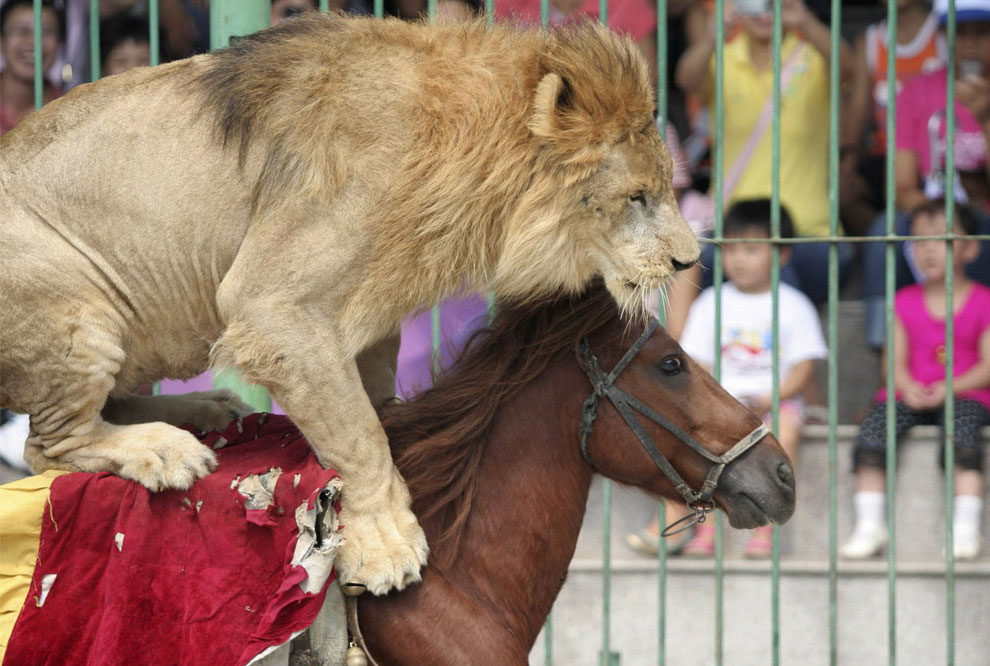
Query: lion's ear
[551, 100]
[570, 132]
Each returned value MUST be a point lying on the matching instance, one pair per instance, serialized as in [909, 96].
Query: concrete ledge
[680, 565]
[818, 434]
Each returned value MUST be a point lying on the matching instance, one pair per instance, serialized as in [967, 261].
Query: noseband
[603, 384]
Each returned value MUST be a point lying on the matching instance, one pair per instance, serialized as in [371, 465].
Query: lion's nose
[681, 266]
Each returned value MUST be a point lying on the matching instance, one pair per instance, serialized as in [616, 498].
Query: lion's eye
[671, 365]
[639, 197]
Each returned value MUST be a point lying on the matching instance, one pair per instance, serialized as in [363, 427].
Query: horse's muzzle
[757, 489]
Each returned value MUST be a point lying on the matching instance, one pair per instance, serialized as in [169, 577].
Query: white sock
[869, 507]
[966, 513]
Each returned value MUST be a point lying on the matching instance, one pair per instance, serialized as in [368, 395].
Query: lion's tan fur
[281, 205]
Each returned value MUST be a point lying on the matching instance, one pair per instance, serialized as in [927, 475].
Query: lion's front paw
[382, 549]
[159, 456]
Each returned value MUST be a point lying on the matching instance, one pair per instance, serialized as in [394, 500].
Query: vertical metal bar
[229, 18]
[662, 588]
[833, 331]
[154, 43]
[324, 6]
[606, 657]
[717, 278]
[154, 57]
[950, 430]
[94, 40]
[431, 9]
[661, 508]
[379, 8]
[39, 75]
[435, 341]
[548, 625]
[889, 283]
[775, 335]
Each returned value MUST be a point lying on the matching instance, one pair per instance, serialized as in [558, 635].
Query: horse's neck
[489, 605]
[528, 510]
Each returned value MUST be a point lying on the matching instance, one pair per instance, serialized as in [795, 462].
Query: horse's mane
[439, 437]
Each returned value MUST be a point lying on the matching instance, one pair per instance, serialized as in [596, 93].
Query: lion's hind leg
[205, 410]
[61, 376]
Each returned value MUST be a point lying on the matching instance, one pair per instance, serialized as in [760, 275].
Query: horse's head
[689, 409]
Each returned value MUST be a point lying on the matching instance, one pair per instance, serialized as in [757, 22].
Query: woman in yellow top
[747, 87]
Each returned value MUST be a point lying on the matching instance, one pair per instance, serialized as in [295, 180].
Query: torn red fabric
[177, 577]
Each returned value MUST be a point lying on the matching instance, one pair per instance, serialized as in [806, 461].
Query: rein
[603, 386]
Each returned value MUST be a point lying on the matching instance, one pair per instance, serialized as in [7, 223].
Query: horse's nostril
[785, 474]
[681, 266]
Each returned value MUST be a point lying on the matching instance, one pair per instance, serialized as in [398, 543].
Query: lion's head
[604, 202]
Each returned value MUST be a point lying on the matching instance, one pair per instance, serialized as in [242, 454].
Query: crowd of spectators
[920, 176]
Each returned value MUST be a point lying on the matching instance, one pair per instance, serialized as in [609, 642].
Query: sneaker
[760, 545]
[866, 542]
[965, 544]
[702, 544]
[643, 542]
[647, 543]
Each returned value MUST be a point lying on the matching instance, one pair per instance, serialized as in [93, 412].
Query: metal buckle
[700, 515]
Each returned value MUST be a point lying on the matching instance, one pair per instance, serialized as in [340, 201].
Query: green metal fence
[234, 17]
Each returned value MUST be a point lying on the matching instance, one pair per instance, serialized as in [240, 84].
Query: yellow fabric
[22, 505]
[803, 131]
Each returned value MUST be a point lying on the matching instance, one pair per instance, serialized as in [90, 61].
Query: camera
[753, 7]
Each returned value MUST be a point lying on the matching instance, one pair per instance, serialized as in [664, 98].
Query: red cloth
[209, 586]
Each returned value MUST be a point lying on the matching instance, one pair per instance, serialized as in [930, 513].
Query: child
[746, 340]
[919, 377]
[124, 44]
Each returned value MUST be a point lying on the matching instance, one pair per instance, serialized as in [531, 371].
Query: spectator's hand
[973, 92]
[794, 14]
[934, 395]
[916, 396]
[731, 20]
[760, 404]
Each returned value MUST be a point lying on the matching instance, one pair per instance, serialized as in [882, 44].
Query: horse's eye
[671, 365]
[639, 197]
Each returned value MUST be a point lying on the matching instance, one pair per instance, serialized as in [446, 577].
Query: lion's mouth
[647, 285]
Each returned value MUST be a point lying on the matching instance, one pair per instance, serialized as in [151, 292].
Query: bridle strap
[701, 501]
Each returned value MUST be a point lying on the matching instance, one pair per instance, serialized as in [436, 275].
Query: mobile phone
[968, 67]
[753, 7]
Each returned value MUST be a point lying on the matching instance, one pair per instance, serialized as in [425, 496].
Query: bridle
[603, 386]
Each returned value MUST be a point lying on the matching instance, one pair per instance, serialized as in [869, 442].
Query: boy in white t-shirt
[746, 343]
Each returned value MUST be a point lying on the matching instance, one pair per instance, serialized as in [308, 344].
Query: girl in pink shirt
[919, 379]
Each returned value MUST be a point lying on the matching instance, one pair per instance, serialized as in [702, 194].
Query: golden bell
[355, 657]
[352, 589]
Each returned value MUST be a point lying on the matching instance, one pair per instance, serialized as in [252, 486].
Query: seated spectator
[746, 343]
[920, 49]
[748, 86]
[635, 18]
[124, 44]
[919, 380]
[17, 46]
[919, 166]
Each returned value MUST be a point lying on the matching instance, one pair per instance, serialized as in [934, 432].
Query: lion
[279, 206]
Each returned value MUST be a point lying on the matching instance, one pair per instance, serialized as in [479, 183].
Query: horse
[499, 456]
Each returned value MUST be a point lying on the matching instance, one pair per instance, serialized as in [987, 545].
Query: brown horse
[492, 456]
